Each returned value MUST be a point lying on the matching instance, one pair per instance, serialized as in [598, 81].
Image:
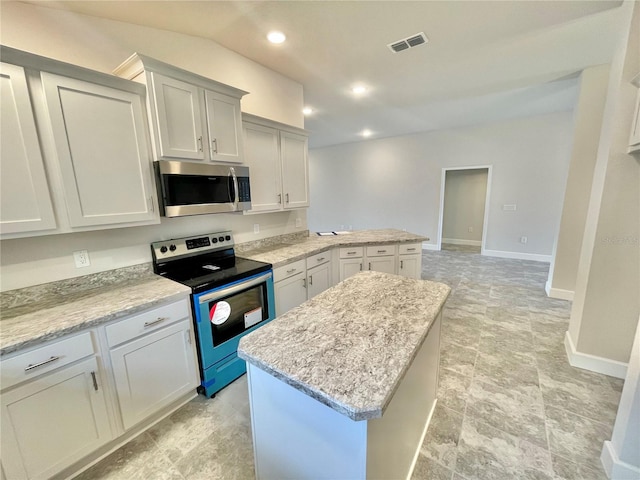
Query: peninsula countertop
[350, 346]
[287, 252]
[35, 315]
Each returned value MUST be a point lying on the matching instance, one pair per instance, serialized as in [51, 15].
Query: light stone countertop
[350, 346]
[282, 254]
[35, 315]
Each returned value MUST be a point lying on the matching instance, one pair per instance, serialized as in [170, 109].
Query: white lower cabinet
[381, 258]
[290, 286]
[410, 260]
[350, 261]
[318, 274]
[57, 418]
[153, 363]
[59, 403]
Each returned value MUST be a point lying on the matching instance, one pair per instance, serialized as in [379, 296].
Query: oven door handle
[238, 287]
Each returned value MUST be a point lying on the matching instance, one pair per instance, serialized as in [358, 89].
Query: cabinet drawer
[44, 359]
[318, 259]
[381, 250]
[289, 270]
[351, 252]
[136, 325]
[409, 248]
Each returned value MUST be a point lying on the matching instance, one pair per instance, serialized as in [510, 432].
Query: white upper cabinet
[276, 155]
[75, 149]
[262, 150]
[224, 128]
[25, 199]
[178, 121]
[103, 158]
[192, 117]
[634, 138]
[295, 170]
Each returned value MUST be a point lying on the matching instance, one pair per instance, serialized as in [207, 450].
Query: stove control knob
[214, 240]
[221, 239]
[172, 248]
[163, 249]
[227, 238]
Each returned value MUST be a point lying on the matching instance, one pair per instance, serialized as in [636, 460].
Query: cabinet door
[262, 156]
[349, 267]
[153, 371]
[410, 266]
[295, 170]
[382, 264]
[634, 139]
[53, 421]
[224, 127]
[178, 122]
[25, 200]
[318, 279]
[102, 150]
[290, 293]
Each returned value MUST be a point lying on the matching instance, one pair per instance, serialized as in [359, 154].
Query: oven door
[227, 313]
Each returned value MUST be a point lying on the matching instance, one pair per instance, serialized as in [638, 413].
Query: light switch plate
[81, 257]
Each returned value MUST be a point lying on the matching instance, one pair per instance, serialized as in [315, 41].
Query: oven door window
[232, 315]
[198, 189]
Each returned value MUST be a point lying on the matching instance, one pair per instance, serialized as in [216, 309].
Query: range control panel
[188, 245]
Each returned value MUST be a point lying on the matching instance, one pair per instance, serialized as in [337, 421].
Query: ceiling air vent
[409, 42]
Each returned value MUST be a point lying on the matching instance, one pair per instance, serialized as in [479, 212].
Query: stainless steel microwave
[188, 188]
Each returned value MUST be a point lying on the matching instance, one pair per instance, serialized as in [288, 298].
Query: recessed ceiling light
[276, 37]
[307, 111]
[366, 133]
[359, 89]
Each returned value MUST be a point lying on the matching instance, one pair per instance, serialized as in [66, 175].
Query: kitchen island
[344, 385]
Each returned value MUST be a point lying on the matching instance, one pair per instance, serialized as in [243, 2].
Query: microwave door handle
[235, 194]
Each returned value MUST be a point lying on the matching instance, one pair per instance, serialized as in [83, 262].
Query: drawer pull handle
[95, 381]
[41, 364]
[382, 251]
[321, 259]
[351, 253]
[291, 271]
[155, 322]
[410, 249]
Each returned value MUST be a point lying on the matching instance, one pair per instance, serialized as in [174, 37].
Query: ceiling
[484, 61]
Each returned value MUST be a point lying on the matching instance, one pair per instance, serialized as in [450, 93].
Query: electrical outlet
[81, 257]
[256, 228]
[470, 229]
[523, 239]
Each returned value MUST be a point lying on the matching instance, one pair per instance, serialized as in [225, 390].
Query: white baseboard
[558, 293]
[462, 241]
[429, 246]
[616, 468]
[593, 363]
[517, 255]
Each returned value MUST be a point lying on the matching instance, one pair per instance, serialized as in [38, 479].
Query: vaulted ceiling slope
[484, 60]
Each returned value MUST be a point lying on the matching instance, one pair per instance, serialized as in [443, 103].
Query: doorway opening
[464, 212]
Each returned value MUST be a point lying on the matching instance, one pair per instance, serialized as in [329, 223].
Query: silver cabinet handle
[200, 143]
[154, 322]
[382, 251]
[214, 145]
[310, 279]
[279, 198]
[351, 253]
[360, 267]
[410, 249]
[369, 265]
[321, 259]
[286, 197]
[401, 263]
[95, 381]
[291, 271]
[304, 282]
[31, 366]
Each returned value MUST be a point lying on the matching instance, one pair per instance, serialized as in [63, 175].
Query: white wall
[102, 45]
[464, 197]
[395, 182]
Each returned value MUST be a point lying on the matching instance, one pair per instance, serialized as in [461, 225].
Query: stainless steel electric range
[231, 296]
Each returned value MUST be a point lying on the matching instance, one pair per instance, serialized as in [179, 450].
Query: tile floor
[510, 407]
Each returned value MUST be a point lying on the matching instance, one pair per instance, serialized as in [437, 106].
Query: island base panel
[297, 437]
